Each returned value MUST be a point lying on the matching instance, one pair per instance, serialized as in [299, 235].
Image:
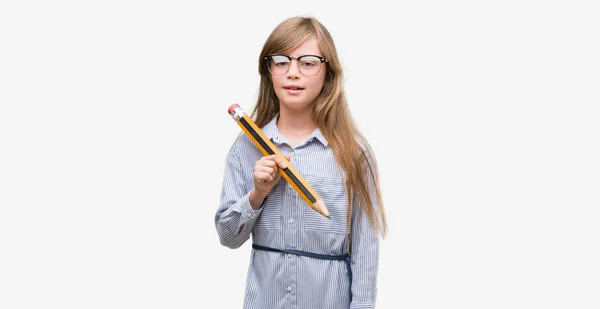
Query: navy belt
[343, 257]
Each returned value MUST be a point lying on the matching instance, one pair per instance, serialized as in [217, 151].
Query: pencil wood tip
[320, 207]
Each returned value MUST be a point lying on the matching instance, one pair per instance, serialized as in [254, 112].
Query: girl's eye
[311, 64]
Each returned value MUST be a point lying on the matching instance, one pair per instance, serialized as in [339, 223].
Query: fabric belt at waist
[343, 257]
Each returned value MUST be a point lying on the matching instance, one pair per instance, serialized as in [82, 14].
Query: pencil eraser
[232, 107]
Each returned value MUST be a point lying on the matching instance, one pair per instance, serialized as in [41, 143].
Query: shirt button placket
[291, 231]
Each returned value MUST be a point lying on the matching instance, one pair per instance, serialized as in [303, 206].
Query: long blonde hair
[352, 152]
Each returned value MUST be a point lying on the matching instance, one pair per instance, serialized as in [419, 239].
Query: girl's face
[295, 90]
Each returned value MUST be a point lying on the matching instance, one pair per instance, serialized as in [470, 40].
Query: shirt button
[249, 214]
[289, 288]
[289, 255]
[291, 221]
[293, 154]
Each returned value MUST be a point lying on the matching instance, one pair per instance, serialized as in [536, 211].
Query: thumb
[283, 164]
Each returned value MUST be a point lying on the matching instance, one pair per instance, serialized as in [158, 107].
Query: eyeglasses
[308, 64]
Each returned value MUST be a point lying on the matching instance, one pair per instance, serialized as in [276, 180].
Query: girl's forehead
[308, 47]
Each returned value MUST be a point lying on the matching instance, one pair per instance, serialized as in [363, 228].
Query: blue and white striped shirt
[285, 221]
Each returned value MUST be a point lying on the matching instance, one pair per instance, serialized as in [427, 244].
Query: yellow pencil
[290, 174]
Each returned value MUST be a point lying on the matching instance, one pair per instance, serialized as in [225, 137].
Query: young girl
[301, 259]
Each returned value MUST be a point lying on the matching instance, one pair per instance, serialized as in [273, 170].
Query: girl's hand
[266, 175]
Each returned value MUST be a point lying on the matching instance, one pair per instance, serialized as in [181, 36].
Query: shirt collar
[272, 132]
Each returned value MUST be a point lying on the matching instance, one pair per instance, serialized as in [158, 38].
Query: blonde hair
[352, 152]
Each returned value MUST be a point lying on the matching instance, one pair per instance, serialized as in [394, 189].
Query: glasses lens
[310, 65]
[279, 65]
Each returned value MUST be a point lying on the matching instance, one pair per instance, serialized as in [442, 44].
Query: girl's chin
[295, 104]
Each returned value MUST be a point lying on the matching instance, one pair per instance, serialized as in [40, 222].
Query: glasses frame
[269, 57]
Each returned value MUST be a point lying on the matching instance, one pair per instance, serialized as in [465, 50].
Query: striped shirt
[285, 221]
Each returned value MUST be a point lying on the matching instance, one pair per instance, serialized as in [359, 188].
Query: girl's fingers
[268, 162]
[264, 177]
[265, 169]
[281, 163]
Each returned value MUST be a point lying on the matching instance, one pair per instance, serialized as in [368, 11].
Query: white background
[114, 130]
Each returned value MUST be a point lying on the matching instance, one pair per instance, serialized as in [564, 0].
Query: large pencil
[290, 174]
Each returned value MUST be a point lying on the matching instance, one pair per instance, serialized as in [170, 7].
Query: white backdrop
[114, 130]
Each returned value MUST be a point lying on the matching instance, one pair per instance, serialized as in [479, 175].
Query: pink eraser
[231, 108]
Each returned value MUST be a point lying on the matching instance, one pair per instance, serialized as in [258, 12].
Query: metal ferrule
[237, 113]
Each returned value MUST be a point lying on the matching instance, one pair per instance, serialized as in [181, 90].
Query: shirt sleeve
[364, 260]
[235, 217]
[364, 257]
